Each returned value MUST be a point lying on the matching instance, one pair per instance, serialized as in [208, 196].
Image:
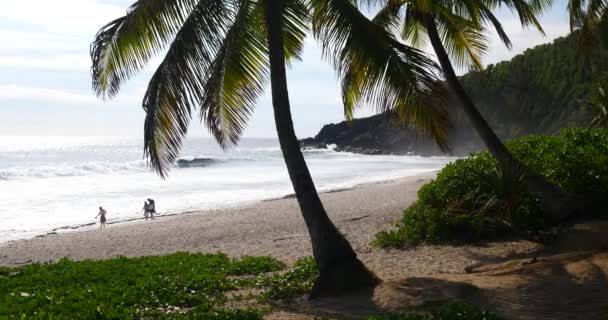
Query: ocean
[57, 183]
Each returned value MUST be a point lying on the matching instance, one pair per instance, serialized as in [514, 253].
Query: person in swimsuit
[151, 208]
[146, 209]
[102, 217]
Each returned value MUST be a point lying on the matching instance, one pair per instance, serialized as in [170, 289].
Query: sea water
[50, 183]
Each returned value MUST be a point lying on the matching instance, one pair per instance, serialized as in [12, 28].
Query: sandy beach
[272, 227]
[518, 279]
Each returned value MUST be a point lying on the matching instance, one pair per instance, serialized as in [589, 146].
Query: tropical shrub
[475, 199]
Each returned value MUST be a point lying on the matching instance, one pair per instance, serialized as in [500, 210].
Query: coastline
[516, 278]
[140, 219]
[383, 200]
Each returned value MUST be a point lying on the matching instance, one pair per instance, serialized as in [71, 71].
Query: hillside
[541, 90]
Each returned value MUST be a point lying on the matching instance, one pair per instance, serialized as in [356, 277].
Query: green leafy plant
[294, 282]
[476, 199]
[173, 286]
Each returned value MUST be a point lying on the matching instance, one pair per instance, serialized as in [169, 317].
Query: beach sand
[517, 279]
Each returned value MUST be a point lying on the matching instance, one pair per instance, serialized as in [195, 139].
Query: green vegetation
[473, 199]
[454, 311]
[176, 286]
[294, 282]
[598, 103]
[539, 91]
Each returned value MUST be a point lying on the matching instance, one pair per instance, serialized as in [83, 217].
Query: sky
[45, 84]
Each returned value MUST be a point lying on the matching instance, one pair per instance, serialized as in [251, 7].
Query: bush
[475, 199]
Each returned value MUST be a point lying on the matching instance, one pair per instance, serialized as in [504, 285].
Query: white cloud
[65, 16]
[15, 41]
[15, 92]
[38, 94]
[76, 62]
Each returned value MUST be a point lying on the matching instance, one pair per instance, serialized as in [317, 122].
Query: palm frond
[125, 45]
[296, 21]
[175, 89]
[526, 12]
[237, 76]
[576, 11]
[377, 69]
[389, 17]
[413, 31]
[486, 16]
[463, 40]
[591, 24]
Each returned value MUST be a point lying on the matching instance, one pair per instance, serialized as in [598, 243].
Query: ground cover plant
[177, 286]
[475, 199]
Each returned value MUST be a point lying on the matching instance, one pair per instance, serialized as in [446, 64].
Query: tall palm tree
[456, 30]
[221, 55]
[590, 19]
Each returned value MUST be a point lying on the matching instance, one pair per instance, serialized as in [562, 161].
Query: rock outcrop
[373, 135]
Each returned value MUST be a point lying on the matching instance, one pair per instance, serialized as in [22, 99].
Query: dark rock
[196, 162]
[310, 143]
[375, 135]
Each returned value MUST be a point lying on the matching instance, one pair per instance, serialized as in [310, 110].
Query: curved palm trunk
[339, 268]
[557, 202]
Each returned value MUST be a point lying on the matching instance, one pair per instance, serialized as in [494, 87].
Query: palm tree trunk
[339, 268]
[558, 203]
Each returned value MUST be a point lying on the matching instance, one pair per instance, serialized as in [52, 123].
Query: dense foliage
[473, 198]
[540, 91]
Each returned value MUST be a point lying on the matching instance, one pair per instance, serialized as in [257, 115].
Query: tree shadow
[572, 287]
[579, 237]
[408, 295]
[566, 286]
[355, 305]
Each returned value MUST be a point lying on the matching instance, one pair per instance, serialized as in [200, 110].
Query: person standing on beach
[102, 217]
[151, 208]
[146, 209]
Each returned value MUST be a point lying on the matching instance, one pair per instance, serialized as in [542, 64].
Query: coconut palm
[599, 103]
[221, 55]
[590, 19]
[456, 30]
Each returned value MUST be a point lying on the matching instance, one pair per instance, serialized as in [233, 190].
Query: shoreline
[514, 277]
[273, 228]
[136, 220]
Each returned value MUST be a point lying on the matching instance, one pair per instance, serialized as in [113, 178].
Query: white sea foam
[47, 184]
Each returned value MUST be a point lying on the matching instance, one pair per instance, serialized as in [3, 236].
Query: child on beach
[102, 217]
[146, 209]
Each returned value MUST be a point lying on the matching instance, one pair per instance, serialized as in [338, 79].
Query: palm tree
[456, 29]
[590, 19]
[220, 57]
[599, 103]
